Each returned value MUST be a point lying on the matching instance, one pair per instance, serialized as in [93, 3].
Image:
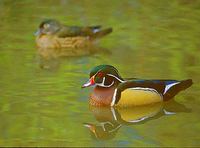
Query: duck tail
[176, 88]
[101, 33]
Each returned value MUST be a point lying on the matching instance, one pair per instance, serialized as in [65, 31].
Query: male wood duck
[53, 34]
[112, 90]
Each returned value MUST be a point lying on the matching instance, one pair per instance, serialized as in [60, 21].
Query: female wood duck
[112, 90]
[53, 34]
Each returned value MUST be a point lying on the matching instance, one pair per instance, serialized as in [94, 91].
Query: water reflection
[50, 58]
[49, 53]
[151, 39]
[111, 119]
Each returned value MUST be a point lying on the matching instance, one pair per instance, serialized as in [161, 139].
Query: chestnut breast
[102, 96]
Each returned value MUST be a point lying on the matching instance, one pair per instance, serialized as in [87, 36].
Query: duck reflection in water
[51, 58]
[111, 119]
[51, 53]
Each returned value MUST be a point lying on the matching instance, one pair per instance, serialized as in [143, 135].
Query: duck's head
[48, 27]
[103, 76]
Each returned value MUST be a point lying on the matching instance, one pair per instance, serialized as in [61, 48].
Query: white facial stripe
[102, 84]
[115, 77]
[104, 80]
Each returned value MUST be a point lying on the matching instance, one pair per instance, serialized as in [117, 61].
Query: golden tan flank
[131, 97]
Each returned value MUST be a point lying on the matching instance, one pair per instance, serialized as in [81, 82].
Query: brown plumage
[101, 96]
[52, 34]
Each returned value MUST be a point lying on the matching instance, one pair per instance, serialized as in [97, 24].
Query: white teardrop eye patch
[46, 26]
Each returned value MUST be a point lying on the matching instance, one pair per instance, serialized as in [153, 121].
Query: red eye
[100, 74]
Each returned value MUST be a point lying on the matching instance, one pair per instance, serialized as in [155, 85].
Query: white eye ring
[46, 26]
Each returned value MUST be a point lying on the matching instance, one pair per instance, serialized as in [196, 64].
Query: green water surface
[41, 100]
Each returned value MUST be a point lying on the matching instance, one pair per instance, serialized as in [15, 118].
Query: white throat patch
[103, 83]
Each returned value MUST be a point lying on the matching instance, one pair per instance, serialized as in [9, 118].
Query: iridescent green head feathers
[104, 76]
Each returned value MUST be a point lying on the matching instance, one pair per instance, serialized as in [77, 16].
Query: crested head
[104, 76]
[48, 27]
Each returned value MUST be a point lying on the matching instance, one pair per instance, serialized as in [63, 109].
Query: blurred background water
[41, 100]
